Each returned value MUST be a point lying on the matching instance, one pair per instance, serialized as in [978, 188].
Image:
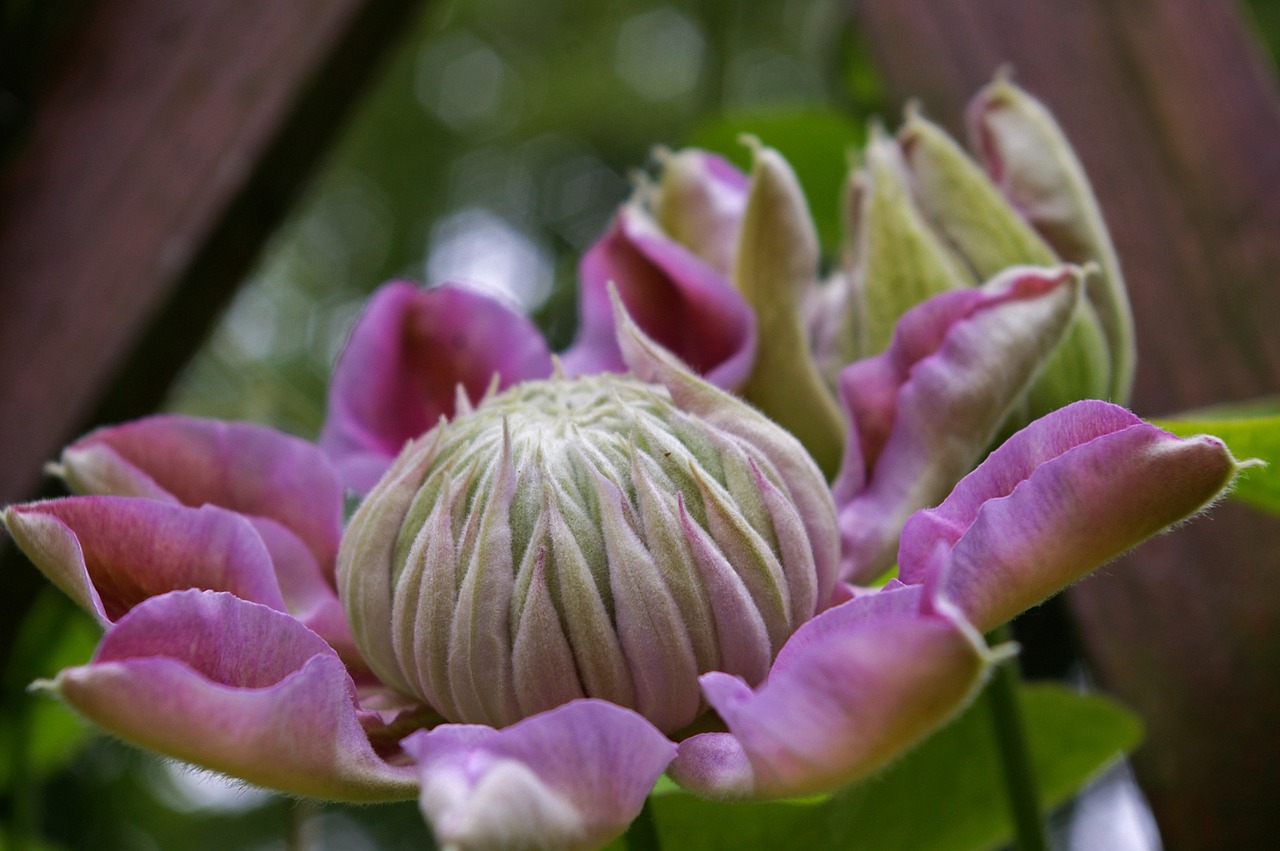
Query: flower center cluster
[584, 538]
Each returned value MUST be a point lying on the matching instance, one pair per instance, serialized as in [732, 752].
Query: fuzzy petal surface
[111, 553]
[923, 412]
[1069, 492]
[675, 296]
[570, 778]
[235, 687]
[248, 468]
[402, 365]
[651, 362]
[853, 688]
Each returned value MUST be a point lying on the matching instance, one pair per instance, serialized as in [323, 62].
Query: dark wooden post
[1176, 113]
[174, 137]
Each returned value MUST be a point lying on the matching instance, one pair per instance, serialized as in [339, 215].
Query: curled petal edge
[922, 413]
[248, 468]
[851, 690]
[235, 687]
[1010, 532]
[573, 777]
[110, 553]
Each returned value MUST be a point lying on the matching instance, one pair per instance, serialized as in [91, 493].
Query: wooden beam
[1176, 113]
[174, 137]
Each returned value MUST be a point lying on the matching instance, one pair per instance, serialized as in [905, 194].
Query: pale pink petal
[247, 468]
[850, 691]
[677, 299]
[1067, 493]
[923, 412]
[401, 368]
[111, 553]
[235, 687]
[570, 778]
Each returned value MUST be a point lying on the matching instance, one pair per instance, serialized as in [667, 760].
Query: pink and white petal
[248, 468]
[111, 553]
[863, 685]
[235, 687]
[677, 299]
[1069, 492]
[402, 365]
[570, 778]
[923, 412]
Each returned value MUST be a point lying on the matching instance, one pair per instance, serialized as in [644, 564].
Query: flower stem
[643, 833]
[1015, 758]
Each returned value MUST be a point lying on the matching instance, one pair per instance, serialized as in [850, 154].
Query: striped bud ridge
[579, 538]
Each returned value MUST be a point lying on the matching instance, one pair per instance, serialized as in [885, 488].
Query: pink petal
[1067, 493]
[235, 687]
[678, 299]
[308, 593]
[247, 468]
[923, 412]
[401, 368]
[111, 553]
[851, 690]
[570, 778]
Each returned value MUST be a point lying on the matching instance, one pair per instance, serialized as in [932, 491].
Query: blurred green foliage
[494, 151]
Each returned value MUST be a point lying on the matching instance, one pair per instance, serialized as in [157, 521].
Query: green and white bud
[582, 538]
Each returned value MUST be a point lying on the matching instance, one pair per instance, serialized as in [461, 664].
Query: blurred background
[489, 145]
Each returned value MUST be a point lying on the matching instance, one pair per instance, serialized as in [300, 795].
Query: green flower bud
[777, 266]
[582, 538]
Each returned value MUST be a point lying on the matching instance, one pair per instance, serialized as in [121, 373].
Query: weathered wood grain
[172, 139]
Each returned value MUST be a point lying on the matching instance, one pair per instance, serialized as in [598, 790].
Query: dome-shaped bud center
[577, 538]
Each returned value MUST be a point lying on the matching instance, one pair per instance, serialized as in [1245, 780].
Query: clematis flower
[575, 584]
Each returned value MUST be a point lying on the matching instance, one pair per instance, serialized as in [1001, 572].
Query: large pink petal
[923, 412]
[247, 468]
[851, 690]
[235, 687]
[1070, 491]
[677, 299]
[401, 368]
[111, 553]
[570, 778]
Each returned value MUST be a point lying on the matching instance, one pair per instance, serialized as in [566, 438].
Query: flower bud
[1027, 155]
[925, 217]
[777, 266]
[698, 202]
[895, 260]
[581, 538]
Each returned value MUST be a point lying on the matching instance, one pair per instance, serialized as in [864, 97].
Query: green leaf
[945, 795]
[1251, 430]
[41, 734]
[815, 140]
